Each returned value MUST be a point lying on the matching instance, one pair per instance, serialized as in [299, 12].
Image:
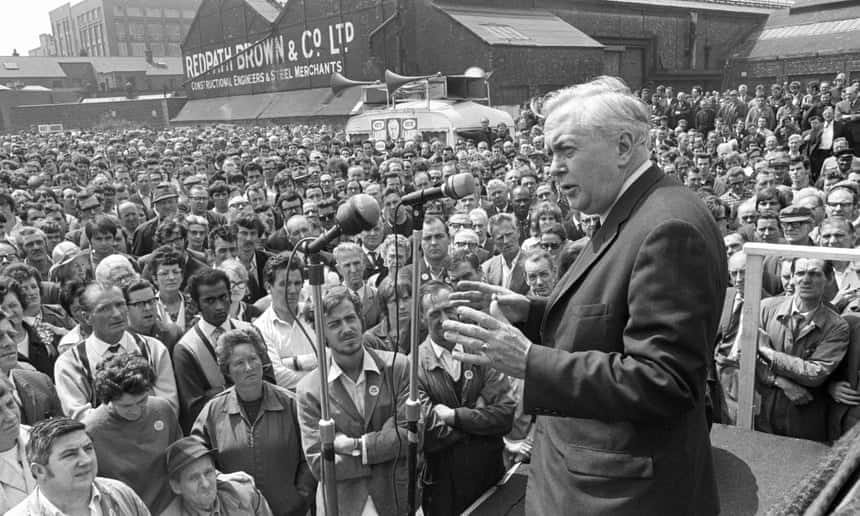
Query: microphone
[455, 187]
[359, 213]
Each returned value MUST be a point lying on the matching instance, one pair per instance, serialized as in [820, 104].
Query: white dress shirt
[283, 342]
[826, 136]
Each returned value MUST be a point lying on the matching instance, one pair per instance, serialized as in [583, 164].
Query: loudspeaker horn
[340, 83]
[394, 81]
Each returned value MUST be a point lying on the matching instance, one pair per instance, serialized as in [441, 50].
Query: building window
[134, 11]
[157, 49]
[123, 49]
[155, 31]
[118, 10]
[174, 32]
[152, 12]
[121, 31]
[188, 13]
[138, 31]
[138, 49]
[172, 13]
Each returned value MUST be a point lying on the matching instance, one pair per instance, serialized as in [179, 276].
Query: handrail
[756, 252]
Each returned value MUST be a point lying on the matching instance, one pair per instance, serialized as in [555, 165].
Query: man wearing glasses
[796, 224]
[467, 240]
[841, 200]
[143, 317]
[104, 309]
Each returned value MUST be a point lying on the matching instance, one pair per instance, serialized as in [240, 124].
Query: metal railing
[751, 311]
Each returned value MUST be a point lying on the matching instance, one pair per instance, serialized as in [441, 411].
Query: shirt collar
[439, 350]
[368, 364]
[51, 510]
[101, 347]
[209, 328]
[639, 172]
[277, 320]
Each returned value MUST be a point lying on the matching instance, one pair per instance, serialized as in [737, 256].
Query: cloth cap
[795, 213]
[185, 451]
[163, 192]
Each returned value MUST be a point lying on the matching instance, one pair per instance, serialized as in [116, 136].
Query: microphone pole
[455, 187]
[359, 213]
[326, 423]
[413, 407]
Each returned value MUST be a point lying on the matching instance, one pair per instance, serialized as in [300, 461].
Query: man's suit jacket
[618, 383]
[38, 396]
[385, 437]
[493, 273]
[256, 283]
[143, 240]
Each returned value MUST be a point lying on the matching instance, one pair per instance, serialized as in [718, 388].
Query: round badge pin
[425, 277]
[469, 374]
[158, 425]
[374, 390]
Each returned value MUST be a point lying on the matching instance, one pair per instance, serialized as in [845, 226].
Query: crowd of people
[156, 322]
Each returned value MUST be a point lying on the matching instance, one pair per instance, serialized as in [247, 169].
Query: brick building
[121, 28]
[814, 39]
[248, 59]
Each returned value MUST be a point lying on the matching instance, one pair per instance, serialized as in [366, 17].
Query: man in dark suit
[165, 201]
[618, 383]
[249, 229]
[506, 268]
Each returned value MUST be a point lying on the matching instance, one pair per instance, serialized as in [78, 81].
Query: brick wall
[802, 69]
[146, 113]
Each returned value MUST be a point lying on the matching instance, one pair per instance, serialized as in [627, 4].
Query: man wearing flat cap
[201, 490]
[165, 201]
[796, 223]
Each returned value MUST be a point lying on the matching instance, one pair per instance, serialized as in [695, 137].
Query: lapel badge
[425, 276]
[158, 425]
[373, 390]
[468, 374]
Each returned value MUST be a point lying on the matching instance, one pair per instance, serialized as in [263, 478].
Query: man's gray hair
[604, 105]
[500, 218]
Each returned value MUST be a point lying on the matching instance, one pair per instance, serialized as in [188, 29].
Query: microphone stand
[413, 406]
[326, 424]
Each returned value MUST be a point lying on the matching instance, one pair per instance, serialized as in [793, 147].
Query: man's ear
[38, 470]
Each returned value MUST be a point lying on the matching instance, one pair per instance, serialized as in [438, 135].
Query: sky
[21, 25]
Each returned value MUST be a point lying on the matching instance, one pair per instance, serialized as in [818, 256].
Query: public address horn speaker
[340, 83]
[394, 81]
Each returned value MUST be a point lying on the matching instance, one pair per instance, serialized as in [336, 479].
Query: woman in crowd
[167, 271]
[254, 427]
[542, 216]
[131, 429]
[238, 275]
[32, 348]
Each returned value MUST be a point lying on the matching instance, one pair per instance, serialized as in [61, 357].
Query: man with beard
[198, 376]
[249, 229]
[106, 312]
[370, 389]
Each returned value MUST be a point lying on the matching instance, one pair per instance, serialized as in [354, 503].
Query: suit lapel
[607, 233]
[341, 398]
[373, 390]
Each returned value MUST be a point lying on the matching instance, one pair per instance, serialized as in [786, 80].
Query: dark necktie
[114, 349]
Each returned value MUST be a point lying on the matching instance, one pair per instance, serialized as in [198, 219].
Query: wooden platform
[754, 470]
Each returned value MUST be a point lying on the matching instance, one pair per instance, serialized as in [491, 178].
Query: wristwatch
[356, 448]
